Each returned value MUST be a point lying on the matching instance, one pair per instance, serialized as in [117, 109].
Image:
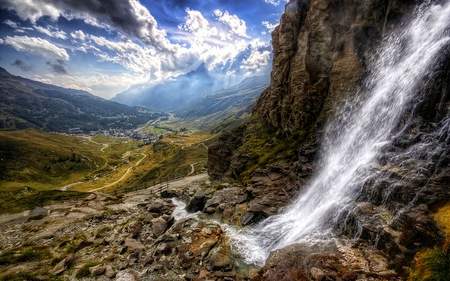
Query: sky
[106, 46]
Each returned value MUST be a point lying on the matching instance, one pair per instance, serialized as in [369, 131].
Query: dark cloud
[129, 17]
[58, 67]
[20, 64]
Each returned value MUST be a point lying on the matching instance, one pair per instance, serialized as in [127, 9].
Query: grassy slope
[33, 163]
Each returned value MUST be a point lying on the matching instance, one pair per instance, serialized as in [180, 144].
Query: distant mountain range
[225, 109]
[235, 98]
[26, 103]
[172, 94]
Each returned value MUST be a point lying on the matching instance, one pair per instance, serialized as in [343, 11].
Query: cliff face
[321, 54]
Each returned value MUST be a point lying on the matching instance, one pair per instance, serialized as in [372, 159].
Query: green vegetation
[431, 265]
[16, 203]
[84, 270]
[175, 160]
[26, 254]
[267, 146]
[434, 264]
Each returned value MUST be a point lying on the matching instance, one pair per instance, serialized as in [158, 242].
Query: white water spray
[353, 140]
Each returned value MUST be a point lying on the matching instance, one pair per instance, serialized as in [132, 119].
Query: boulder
[131, 245]
[62, 265]
[97, 270]
[91, 197]
[109, 272]
[135, 229]
[159, 226]
[197, 202]
[127, 275]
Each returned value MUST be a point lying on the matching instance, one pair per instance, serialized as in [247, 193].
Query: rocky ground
[136, 237]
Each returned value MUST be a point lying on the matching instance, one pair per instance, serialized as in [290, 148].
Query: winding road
[119, 180]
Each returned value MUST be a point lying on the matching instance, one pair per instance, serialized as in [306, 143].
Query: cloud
[11, 23]
[107, 86]
[198, 25]
[256, 61]
[20, 64]
[57, 67]
[78, 35]
[273, 2]
[236, 24]
[127, 16]
[36, 46]
[269, 26]
[52, 32]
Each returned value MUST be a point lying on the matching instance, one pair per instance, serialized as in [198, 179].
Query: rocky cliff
[321, 54]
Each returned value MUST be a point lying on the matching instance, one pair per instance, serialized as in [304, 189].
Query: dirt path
[119, 180]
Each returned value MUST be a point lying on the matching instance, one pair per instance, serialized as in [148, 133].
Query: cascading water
[352, 142]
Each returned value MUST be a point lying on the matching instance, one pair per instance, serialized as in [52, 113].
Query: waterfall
[352, 142]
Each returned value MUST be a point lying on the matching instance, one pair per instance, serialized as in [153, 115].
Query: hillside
[29, 104]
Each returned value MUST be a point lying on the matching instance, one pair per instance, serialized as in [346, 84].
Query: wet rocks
[197, 202]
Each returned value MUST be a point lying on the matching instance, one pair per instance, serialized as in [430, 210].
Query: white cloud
[11, 23]
[36, 46]
[198, 25]
[52, 32]
[269, 25]
[273, 2]
[107, 86]
[126, 16]
[78, 35]
[256, 60]
[236, 24]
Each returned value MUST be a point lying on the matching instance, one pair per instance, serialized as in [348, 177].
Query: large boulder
[159, 226]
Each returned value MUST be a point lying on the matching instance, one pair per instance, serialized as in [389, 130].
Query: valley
[87, 164]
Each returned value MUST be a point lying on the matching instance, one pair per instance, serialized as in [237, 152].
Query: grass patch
[102, 231]
[431, 265]
[10, 203]
[36, 253]
[84, 270]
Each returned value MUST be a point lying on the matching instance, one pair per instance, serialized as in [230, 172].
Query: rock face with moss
[321, 54]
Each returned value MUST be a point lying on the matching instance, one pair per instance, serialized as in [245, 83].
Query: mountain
[172, 94]
[26, 103]
[228, 102]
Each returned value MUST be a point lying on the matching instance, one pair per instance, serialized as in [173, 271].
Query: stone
[168, 218]
[159, 226]
[38, 211]
[109, 272]
[149, 240]
[220, 261]
[197, 202]
[83, 244]
[135, 229]
[97, 270]
[148, 260]
[132, 244]
[91, 197]
[127, 275]
[62, 265]
[156, 208]
[163, 249]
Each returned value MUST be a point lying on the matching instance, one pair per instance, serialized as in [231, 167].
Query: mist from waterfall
[354, 139]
